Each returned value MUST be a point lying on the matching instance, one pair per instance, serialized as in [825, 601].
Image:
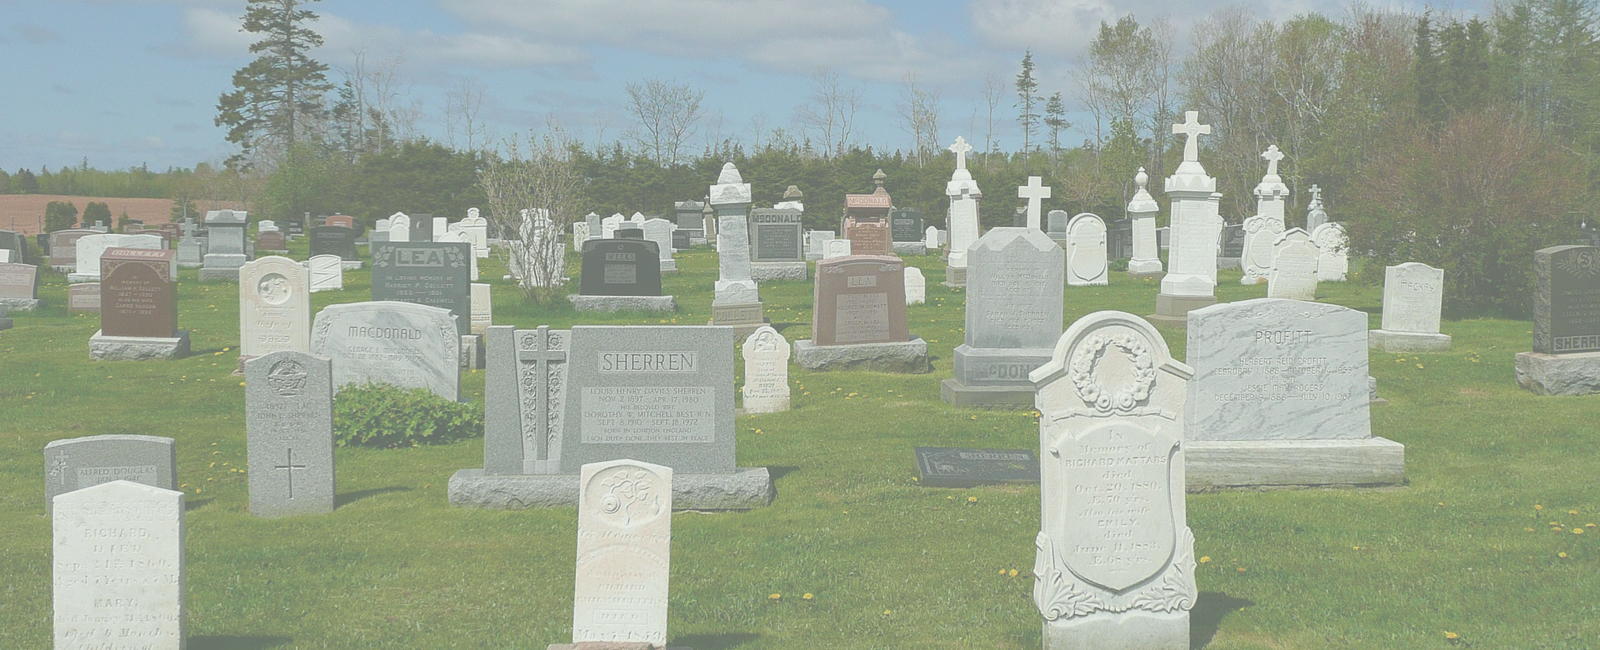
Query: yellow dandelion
[1419, 366]
[1588, 525]
[1240, 569]
[1451, 636]
[952, 498]
[1572, 512]
[807, 596]
[972, 499]
[973, 417]
[888, 612]
[1002, 572]
[1204, 559]
[1013, 573]
[1561, 555]
[1577, 531]
[1529, 530]
[1538, 507]
[775, 597]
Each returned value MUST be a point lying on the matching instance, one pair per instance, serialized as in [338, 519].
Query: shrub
[380, 415]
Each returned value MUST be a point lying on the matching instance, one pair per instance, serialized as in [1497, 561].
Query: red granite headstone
[136, 296]
[271, 241]
[64, 247]
[83, 297]
[344, 220]
[860, 299]
[868, 237]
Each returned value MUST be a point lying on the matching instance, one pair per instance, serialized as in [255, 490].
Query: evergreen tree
[1055, 117]
[279, 96]
[60, 215]
[1425, 75]
[1027, 88]
[95, 211]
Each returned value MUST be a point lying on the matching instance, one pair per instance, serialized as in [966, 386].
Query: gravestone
[660, 232]
[1316, 215]
[962, 468]
[289, 428]
[766, 372]
[482, 309]
[90, 249]
[380, 231]
[1230, 246]
[1255, 256]
[1413, 296]
[1056, 226]
[327, 272]
[64, 248]
[13, 246]
[76, 463]
[274, 306]
[1087, 262]
[930, 238]
[1035, 192]
[335, 240]
[859, 318]
[580, 234]
[1191, 279]
[117, 565]
[1146, 260]
[422, 230]
[737, 297]
[398, 343]
[191, 252]
[1013, 317]
[342, 221]
[436, 274]
[272, 241]
[963, 218]
[267, 225]
[138, 308]
[1114, 564]
[905, 231]
[1294, 267]
[868, 207]
[775, 245]
[225, 245]
[624, 553]
[1566, 323]
[609, 226]
[629, 233]
[19, 286]
[458, 237]
[868, 237]
[400, 227]
[817, 243]
[690, 221]
[1334, 261]
[621, 274]
[1280, 397]
[916, 286]
[836, 248]
[680, 240]
[83, 298]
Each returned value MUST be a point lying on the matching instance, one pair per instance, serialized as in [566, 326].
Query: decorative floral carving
[1580, 263]
[630, 495]
[1122, 399]
[1058, 594]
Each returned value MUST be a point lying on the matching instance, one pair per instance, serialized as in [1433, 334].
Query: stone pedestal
[471, 352]
[1404, 342]
[909, 248]
[1559, 374]
[955, 276]
[1173, 311]
[744, 489]
[763, 271]
[138, 348]
[1135, 630]
[220, 266]
[610, 645]
[1237, 463]
[995, 378]
[909, 357]
[20, 304]
[1152, 271]
[622, 303]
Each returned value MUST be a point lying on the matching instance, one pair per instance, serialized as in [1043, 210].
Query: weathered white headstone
[327, 273]
[1035, 193]
[609, 225]
[477, 229]
[1260, 234]
[580, 234]
[766, 372]
[916, 286]
[482, 308]
[400, 227]
[1086, 251]
[930, 238]
[441, 225]
[91, 247]
[1294, 267]
[1334, 244]
[835, 248]
[289, 427]
[660, 232]
[1114, 559]
[1413, 295]
[274, 306]
[624, 553]
[399, 343]
[118, 567]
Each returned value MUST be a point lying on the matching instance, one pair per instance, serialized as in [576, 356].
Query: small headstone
[1086, 251]
[868, 237]
[681, 240]
[267, 225]
[766, 372]
[426, 273]
[289, 428]
[859, 299]
[660, 232]
[421, 228]
[916, 286]
[459, 237]
[624, 553]
[400, 227]
[1334, 246]
[580, 234]
[609, 226]
[64, 248]
[327, 272]
[1294, 267]
[90, 248]
[83, 298]
[341, 221]
[1413, 295]
[441, 225]
[836, 248]
[77, 463]
[225, 244]
[817, 243]
[272, 241]
[1056, 224]
[1566, 323]
[960, 468]
[19, 286]
[905, 225]
[191, 252]
[334, 240]
[630, 233]
[930, 238]
[398, 343]
[1255, 254]
[274, 306]
[620, 267]
[117, 564]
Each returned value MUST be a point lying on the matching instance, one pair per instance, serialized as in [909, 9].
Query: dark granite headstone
[948, 467]
[860, 299]
[334, 240]
[630, 233]
[137, 295]
[437, 274]
[680, 240]
[16, 242]
[77, 463]
[775, 236]
[620, 267]
[905, 224]
[1566, 304]
[1231, 243]
[421, 228]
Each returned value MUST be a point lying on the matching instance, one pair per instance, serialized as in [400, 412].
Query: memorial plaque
[868, 237]
[118, 568]
[1566, 312]
[661, 393]
[397, 343]
[334, 240]
[776, 236]
[960, 468]
[77, 463]
[905, 224]
[137, 298]
[624, 553]
[83, 298]
[859, 299]
[620, 267]
[437, 274]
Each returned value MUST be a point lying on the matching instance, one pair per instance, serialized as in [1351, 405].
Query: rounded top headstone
[730, 174]
[793, 193]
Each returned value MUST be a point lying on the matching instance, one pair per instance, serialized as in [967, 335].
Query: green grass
[890, 564]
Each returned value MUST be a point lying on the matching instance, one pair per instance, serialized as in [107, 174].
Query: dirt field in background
[25, 212]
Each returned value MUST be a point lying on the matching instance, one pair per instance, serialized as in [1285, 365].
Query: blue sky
[130, 82]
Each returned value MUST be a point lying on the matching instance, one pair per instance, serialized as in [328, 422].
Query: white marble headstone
[766, 371]
[835, 248]
[1334, 244]
[482, 308]
[1260, 233]
[477, 229]
[274, 306]
[118, 567]
[624, 553]
[916, 286]
[327, 273]
[580, 234]
[399, 227]
[1086, 251]
[1294, 267]
[1413, 294]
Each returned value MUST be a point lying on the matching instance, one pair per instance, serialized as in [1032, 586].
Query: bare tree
[831, 112]
[1121, 75]
[994, 91]
[534, 192]
[712, 133]
[462, 113]
[758, 130]
[919, 107]
[667, 113]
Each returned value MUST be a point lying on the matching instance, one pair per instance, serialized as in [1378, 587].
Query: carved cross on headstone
[1193, 128]
[1316, 196]
[537, 351]
[290, 467]
[961, 149]
[1034, 192]
[1273, 156]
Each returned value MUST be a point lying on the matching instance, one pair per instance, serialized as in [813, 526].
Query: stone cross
[1193, 128]
[290, 467]
[961, 149]
[1316, 195]
[1273, 156]
[536, 351]
[1034, 192]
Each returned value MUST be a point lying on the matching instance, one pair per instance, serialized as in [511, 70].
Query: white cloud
[1064, 28]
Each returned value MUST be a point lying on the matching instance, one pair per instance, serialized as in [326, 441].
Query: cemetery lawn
[1489, 544]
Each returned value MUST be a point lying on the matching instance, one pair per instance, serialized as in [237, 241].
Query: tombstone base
[909, 248]
[611, 645]
[1249, 463]
[622, 303]
[1559, 374]
[763, 271]
[1145, 269]
[138, 348]
[955, 276]
[350, 265]
[1401, 342]
[19, 304]
[190, 265]
[669, 266]
[228, 275]
[1134, 630]
[953, 392]
[910, 357]
[1173, 311]
[744, 489]
[744, 317]
[80, 278]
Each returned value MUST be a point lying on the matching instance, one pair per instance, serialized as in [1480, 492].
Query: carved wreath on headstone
[1581, 263]
[630, 498]
[287, 378]
[1118, 399]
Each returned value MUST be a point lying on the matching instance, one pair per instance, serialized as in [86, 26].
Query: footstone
[1114, 558]
[1013, 317]
[624, 552]
[398, 343]
[83, 298]
[766, 372]
[960, 468]
[327, 273]
[482, 308]
[622, 303]
[437, 274]
[1413, 295]
[289, 428]
[117, 563]
[910, 357]
[77, 463]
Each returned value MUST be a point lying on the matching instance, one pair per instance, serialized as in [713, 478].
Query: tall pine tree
[1027, 88]
[279, 96]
